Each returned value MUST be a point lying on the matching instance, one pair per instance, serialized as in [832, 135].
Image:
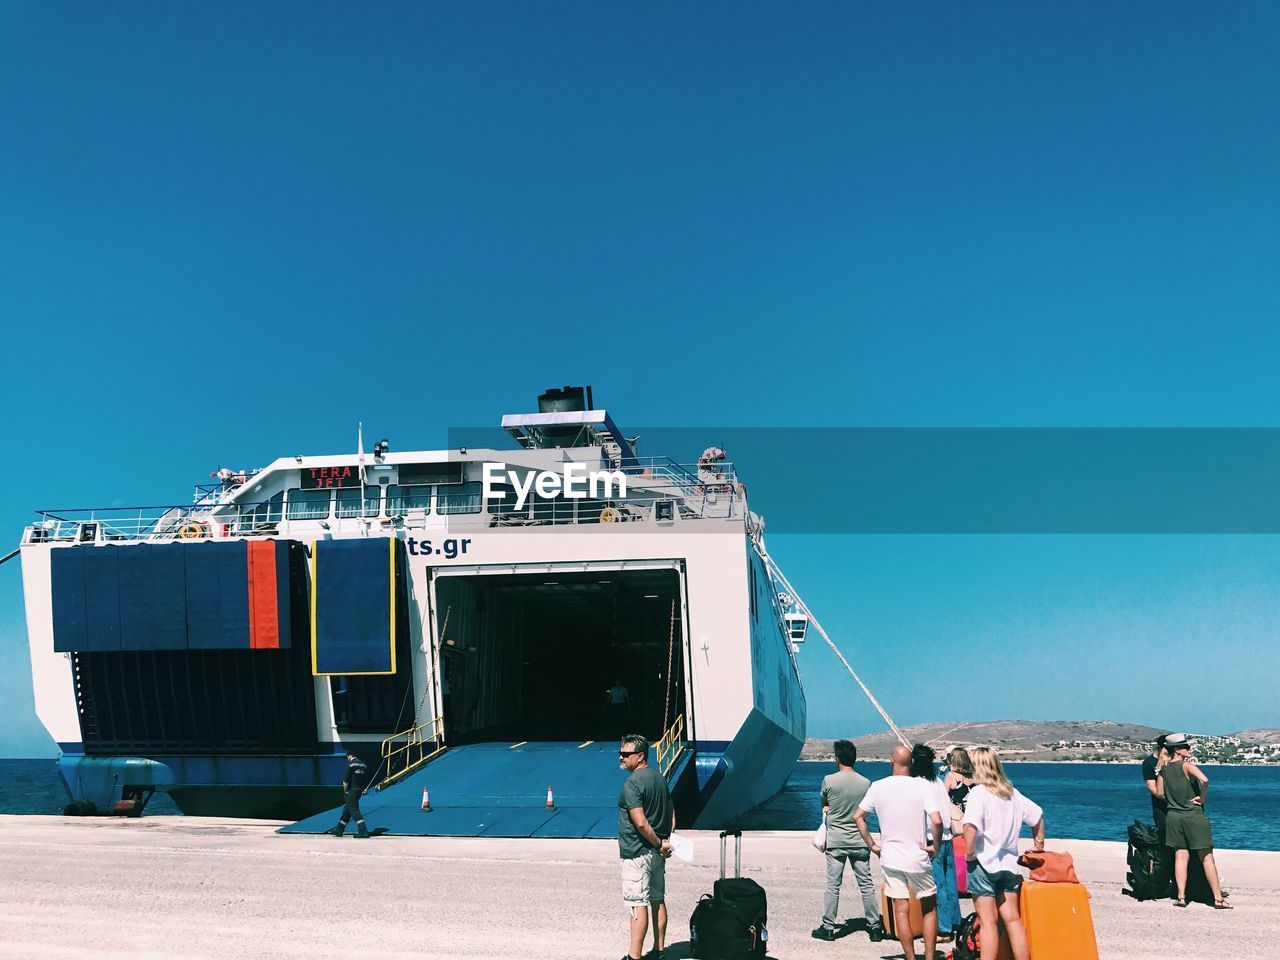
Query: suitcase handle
[737, 851]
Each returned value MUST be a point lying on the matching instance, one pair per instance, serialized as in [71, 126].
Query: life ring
[610, 515]
[193, 530]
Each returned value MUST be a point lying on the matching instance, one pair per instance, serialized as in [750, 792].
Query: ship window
[503, 502]
[308, 504]
[256, 516]
[349, 502]
[552, 509]
[463, 498]
[401, 499]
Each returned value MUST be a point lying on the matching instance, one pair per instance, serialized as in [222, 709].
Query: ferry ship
[479, 625]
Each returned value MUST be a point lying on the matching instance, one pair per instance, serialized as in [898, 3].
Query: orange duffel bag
[1050, 866]
[1058, 921]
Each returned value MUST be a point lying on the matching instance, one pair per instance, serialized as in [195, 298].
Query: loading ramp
[500, 790]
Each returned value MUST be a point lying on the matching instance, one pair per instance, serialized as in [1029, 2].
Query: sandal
[1222, 904]
[1179, 902]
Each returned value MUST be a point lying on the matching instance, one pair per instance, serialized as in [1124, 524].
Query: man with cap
[353, 783]
[1151, 776]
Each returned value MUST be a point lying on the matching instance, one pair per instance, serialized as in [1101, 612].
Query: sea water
[33, 786]
[1083, 801]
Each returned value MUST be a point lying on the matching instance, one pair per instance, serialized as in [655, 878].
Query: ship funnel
[567, 417]
[565, 399]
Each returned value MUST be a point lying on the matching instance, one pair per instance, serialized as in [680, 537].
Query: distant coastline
[1065, 741]
[1082, 763]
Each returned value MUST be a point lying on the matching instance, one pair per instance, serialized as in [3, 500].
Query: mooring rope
[776, 571]
[671, 648]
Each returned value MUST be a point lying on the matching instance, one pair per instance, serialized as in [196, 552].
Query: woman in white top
[994, 815]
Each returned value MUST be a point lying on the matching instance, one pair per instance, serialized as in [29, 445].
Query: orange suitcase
[886, 911]
[1058, 921]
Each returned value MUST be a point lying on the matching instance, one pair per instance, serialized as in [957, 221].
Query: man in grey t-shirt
[842, 791]
[646, 819]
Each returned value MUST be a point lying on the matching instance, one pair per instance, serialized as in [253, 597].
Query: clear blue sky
[226, 233]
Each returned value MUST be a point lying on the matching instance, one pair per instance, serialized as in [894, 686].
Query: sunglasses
[627, 753]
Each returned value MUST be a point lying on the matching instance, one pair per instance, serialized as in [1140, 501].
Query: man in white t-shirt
[904, 805]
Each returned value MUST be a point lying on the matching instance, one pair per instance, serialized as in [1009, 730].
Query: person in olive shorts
[1184, 787]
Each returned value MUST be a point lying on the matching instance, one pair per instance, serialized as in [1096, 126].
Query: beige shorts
[898, 884]
[644, 879]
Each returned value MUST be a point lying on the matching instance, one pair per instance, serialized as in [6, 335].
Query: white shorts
[899, 884]
[644, 879]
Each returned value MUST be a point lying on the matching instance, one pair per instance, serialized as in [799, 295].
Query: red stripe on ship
[264, 613]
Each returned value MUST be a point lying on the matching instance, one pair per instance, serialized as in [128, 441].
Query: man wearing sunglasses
[646, 819]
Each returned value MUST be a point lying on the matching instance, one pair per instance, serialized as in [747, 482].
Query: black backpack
[729, 923]
[1150, 864]
[967, 947]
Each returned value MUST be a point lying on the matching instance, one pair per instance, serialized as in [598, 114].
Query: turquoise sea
[1089, 801]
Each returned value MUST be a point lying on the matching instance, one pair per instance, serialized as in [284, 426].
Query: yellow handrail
[399, 759]
[670, 746]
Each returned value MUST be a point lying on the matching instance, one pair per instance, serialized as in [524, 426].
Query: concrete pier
[186, 887]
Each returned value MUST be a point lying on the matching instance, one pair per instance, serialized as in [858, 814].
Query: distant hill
[1015, 739]
[1261, 735]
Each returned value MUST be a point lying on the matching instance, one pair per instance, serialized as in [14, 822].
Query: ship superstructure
[232, 650]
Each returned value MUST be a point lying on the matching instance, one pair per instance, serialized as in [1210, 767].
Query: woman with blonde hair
[993, 818]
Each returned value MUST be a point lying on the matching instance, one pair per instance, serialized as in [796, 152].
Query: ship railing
[404, 752]
[680, 474]
[155, 522]
[214, 493]
[670, 746]
[107, 524]
[702, 500]
[660, 466]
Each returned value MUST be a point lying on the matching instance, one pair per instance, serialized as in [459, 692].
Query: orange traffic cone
[551, 800]
[426, 801]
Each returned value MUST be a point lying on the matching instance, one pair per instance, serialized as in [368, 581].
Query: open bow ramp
[498, 790]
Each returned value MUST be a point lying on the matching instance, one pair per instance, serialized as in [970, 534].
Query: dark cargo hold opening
[533, 656]
[220, 702]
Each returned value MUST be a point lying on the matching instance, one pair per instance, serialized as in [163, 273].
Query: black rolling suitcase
[729, 923]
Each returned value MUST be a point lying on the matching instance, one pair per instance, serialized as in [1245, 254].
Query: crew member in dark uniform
[353, 783]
